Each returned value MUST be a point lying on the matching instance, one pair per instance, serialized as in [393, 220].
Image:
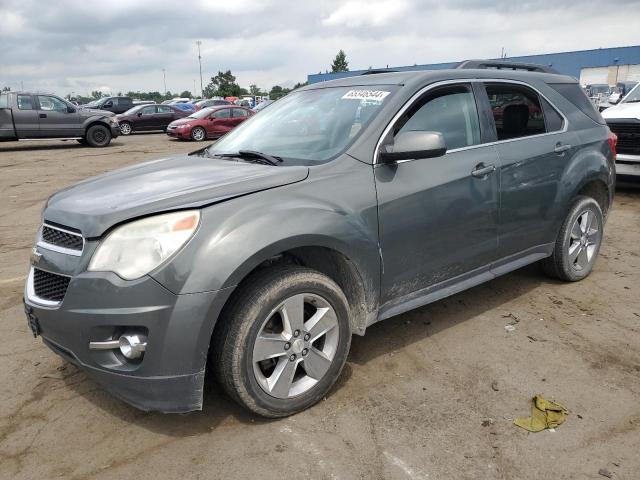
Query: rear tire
[198, 134]
[281, 343]
[578, 242]
[98, 136]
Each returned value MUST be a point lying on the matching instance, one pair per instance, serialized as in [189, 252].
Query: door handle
[481, 170]
[560, 148]
[43, 115]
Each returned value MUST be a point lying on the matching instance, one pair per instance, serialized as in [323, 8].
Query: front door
[26, 116]
[147, 118]
[222, 122]
[56, 120]
[438, 216]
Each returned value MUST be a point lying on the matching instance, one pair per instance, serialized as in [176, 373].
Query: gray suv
[342, 204]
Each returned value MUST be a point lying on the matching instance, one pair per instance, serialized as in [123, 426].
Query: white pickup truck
[624, 120]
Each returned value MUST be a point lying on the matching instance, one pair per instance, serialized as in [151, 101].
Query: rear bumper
[99, 306]
[628, 165]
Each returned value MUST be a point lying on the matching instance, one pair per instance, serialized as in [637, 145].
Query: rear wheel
[125, 128]
[578, 242]
[283, 341]
[98, 136]
[198, 134]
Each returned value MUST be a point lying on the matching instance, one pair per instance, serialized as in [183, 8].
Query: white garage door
[589, 76]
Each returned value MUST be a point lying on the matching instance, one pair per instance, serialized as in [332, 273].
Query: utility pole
[164, 79]
[200, 63]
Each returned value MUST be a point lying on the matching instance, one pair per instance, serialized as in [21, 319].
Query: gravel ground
[430, 394]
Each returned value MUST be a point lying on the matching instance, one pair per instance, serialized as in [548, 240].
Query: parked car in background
[212, 102]
[112, 104]
[256, 259]
[620, 91]
[26, 115]
[624, 120]
[149, 117]
[262, 105]
[185, 106]
[143, 102]
[212, 122]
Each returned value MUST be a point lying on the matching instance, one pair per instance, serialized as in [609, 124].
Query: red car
[212, 122]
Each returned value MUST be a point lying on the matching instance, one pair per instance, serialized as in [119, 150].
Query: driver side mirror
[70, 109]
[139, 114]
[413, 145]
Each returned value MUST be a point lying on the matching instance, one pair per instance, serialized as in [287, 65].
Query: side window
[49, 104]
[4, 100]
[222, 113]
[516, 111]
[25, 102]
[451, 111]
[150, 110]
[552, 119]
[238, 112]
[164, 109]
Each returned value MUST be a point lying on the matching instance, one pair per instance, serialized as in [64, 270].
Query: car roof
[430, 76]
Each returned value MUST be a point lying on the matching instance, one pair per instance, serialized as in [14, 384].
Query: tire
[98, 136]
[254, 314]
[125, 128]
[578, 242]
[198, 134]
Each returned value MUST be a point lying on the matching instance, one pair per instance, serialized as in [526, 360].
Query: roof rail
[378, 70]
[505, 65]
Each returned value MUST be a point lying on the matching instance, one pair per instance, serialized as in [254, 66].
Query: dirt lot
[427, 395]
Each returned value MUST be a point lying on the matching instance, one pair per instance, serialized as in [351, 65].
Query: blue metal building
[570, 63]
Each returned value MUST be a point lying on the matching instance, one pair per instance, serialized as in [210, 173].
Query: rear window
[575, 94]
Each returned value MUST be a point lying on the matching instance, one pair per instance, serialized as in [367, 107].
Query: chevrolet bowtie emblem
[35, 256]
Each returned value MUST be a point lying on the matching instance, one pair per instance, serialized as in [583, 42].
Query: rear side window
[25, 102]
[575, 94]
[516, 110]
[222, 113]
[552, 119]
[450, 111]
[164, 109]
[238, 112]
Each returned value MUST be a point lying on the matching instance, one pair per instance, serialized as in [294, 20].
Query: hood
[185, 120]
[92, 112]
[623, 110]
[98, 203]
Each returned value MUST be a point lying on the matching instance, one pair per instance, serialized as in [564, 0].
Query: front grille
[628, 137]
[49, 286]
[62, 238]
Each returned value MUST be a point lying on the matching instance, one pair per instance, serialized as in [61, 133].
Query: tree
[298, 85]
[277, 91]
[340, 63]
[97, 94]
[186, 94]
[255, 90]
[223, 85]
[6, 89]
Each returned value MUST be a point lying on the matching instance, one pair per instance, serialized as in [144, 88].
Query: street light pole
[164, 79]
[200, 63]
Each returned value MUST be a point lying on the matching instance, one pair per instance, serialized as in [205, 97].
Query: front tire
[578, 242]
[198, 134]
[283, 341]
[125, 128]
[98, 136]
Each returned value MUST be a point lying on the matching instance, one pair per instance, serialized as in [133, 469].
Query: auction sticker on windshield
[366, 95]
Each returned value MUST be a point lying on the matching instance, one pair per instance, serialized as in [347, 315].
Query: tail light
[613, 141]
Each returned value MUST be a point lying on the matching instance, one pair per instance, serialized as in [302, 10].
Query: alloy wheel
[125, 129]
[584, 241]
[198, 134]
[295, 346]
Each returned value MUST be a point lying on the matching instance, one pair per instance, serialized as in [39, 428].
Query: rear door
[25, 116]
[239, 115]
[55, 118]
[164, 117]
[534, 146]
[223, 121]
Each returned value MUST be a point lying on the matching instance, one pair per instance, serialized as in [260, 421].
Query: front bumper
[99, 306]
[115, 130]
[628, 165]
[175, 133]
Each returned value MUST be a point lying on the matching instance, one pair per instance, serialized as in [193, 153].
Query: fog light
[131, 346]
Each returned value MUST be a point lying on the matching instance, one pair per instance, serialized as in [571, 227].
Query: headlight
[136, 248]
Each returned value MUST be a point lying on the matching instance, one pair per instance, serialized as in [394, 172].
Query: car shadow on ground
[382, 338]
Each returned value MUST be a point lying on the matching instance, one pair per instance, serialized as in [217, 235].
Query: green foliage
[97, 94]
[223, 85]
[186, 94]
[340, 63]
[277, 91]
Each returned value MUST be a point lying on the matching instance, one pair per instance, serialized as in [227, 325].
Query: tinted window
[552, 119]
[164, 109]
[238, 112]
[516, 111]
[51, 103]
[222, 113]
[575, 94]
[125, 101]
[150, 110]
[4, 100]
[25, 102]
[450, 111]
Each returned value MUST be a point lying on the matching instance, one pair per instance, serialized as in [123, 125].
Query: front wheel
[578, 242]
[98, 136]
[198, 134]
[283, 341]
[125, 128]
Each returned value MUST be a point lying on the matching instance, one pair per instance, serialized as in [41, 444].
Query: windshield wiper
[258, 157]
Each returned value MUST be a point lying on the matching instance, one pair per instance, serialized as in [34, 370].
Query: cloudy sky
[78, 46]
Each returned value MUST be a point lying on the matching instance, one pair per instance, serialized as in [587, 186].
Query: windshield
[133, 110]
[596, 89]
[310, 125]
[633, 96]
[205, 112]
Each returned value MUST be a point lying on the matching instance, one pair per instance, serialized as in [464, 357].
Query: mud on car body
[340, 205]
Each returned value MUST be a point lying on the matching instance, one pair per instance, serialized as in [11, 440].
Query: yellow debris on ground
[544, 414]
